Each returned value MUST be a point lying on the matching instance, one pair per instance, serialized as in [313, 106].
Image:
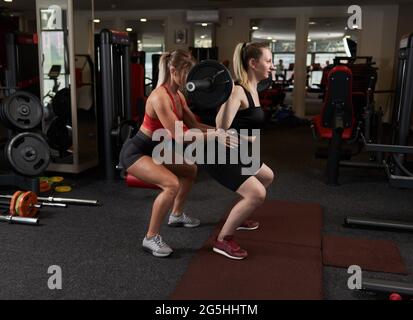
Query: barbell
[61, 200]
[23, 206]
[209, 84]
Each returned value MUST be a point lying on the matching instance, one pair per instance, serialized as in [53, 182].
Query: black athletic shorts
[230, 175]
[136, 147]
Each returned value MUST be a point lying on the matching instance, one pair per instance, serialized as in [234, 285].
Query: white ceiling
[284, 28]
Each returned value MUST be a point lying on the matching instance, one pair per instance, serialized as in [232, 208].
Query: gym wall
[378, 37]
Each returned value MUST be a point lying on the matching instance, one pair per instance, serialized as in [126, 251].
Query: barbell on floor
[53, 201]
[19, 220]
[23, 206]
[39, 205]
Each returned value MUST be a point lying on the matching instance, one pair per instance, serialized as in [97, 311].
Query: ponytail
[163, 75]
[240, 71]
[181, 60]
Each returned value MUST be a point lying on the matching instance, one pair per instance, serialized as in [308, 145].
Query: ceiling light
[312, 23]
[96, 20]
[8, 0]
[273, 40]
[308, 40]
[204, 24]
[203, 36]
[269, 38]
[255, 28]
[129, 29]
[143, 20]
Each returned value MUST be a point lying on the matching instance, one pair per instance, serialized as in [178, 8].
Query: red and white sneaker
[229, 248]
[249, 225]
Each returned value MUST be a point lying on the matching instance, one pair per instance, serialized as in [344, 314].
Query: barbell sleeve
[70, 201]
[20, 220]
[203, 84]
[54, 204]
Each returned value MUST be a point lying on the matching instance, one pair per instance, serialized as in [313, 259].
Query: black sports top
[250, 118]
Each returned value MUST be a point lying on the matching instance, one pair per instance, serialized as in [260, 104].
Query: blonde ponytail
[163, 75]
[181, 60]
[239, 69]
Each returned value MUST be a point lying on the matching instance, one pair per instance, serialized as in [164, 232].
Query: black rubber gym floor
[98, 248]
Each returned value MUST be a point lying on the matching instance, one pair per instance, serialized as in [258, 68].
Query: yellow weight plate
[63, 189]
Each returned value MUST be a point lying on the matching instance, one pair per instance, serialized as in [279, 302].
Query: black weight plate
[59, 135]
[264, 84]
[61, 104]
[22, 111]
[2, 117]
[218, 93]
[28, 153]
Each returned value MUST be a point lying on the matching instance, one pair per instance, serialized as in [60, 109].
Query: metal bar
[359, 164]
[7, 204]
[387, 286]
[388, 148]
[53, 201]
[20, 220]
[71, 201]
[388, 224]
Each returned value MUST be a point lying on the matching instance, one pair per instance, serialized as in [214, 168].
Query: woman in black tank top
[252, 63]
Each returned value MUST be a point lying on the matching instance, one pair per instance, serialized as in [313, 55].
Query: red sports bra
[153, 124]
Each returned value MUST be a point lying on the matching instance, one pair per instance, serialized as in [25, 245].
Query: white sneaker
[156, 246]
[183, 221]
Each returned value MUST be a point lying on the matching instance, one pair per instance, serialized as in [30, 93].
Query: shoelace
[186, 218]
[231, 242]
[159, 241]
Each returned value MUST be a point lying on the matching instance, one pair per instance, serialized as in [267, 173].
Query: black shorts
[133, 149]
[230, 175]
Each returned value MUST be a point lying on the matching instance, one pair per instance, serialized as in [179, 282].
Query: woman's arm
[163, 108]
[229, 109]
